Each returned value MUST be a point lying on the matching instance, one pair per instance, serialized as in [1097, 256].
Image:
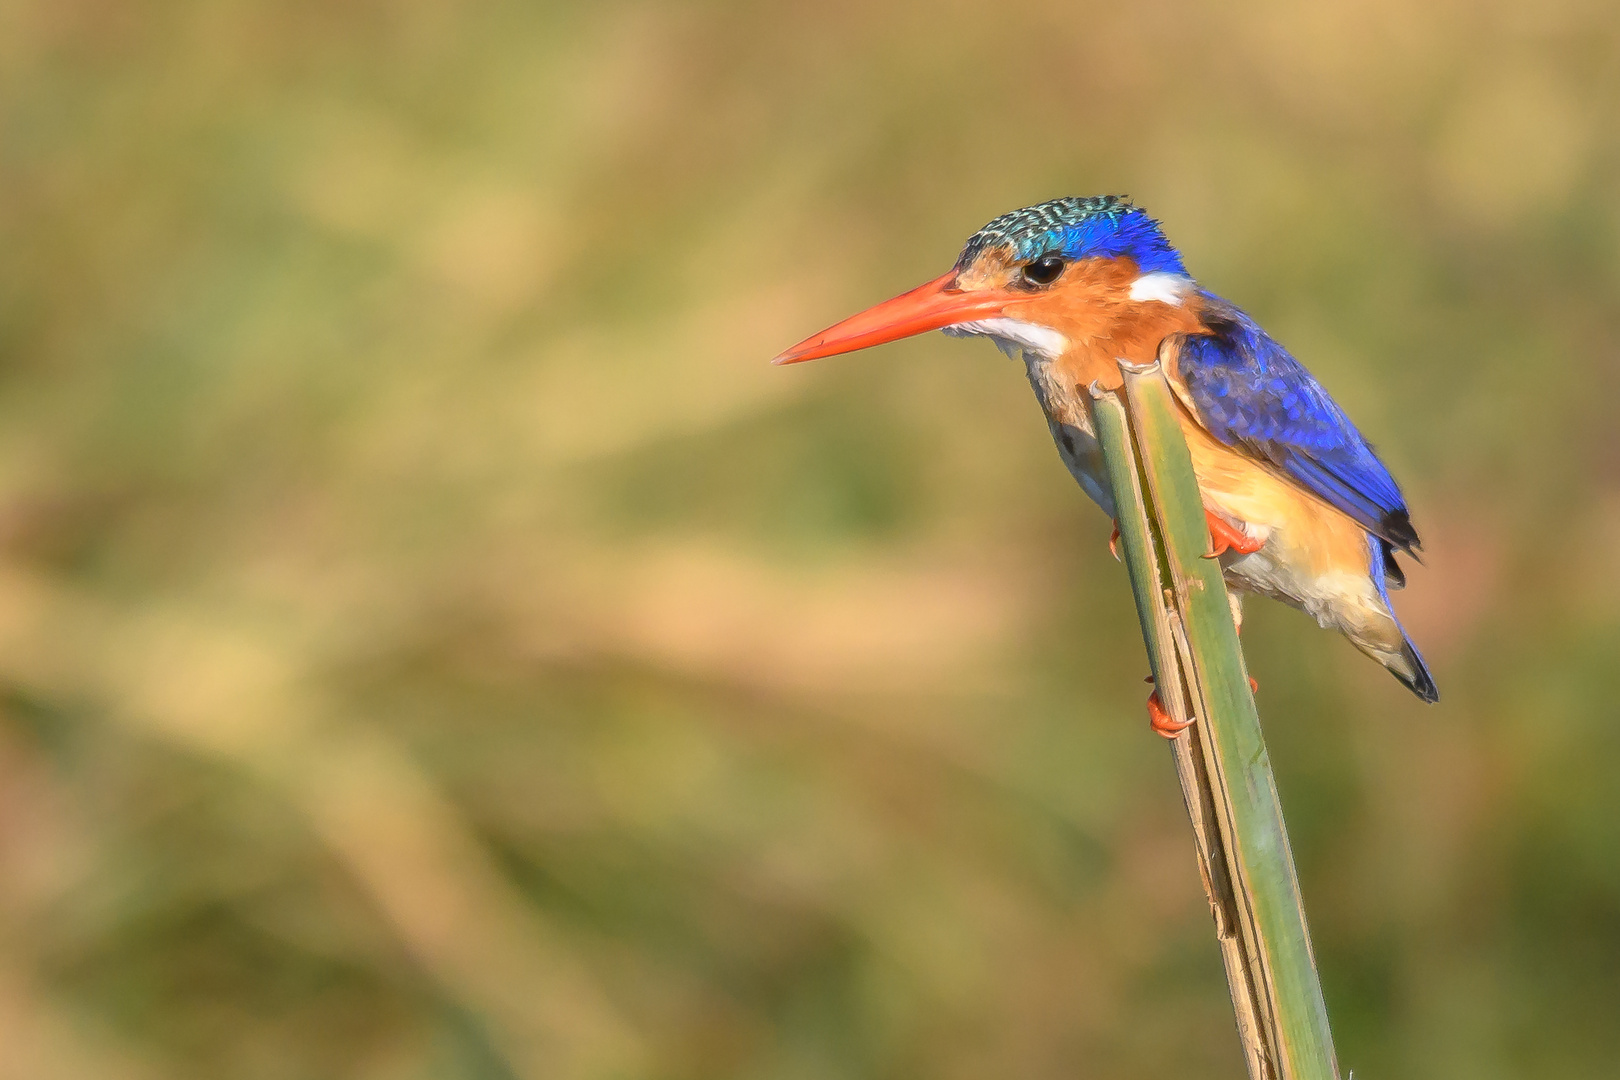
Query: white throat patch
[1169, 289]
[1014, 333]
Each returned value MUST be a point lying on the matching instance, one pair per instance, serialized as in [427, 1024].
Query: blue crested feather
[1250, 393]
[1096, 226]
[1126, 234]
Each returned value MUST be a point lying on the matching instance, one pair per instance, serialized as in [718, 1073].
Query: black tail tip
[1420, 682]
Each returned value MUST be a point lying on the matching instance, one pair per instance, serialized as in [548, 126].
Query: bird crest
[1093, 226]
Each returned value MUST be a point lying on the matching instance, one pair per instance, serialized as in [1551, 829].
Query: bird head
[1035, 278]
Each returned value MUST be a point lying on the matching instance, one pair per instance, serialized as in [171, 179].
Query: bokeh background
[434, 643]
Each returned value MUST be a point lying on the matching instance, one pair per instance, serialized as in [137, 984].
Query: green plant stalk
[1150, 583]
[1221, 760]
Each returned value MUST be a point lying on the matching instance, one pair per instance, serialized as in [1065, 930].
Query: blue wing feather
[1252, 394]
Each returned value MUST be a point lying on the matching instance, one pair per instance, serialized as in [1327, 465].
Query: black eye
[1044, 270]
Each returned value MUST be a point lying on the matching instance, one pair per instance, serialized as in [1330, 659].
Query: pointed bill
[930, 306]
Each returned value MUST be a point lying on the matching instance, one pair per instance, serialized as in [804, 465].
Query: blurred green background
[434, 643]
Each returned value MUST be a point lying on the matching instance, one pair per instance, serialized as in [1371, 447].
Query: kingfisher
[1298, 504]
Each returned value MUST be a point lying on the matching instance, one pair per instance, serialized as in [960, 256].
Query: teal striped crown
[1076, 227]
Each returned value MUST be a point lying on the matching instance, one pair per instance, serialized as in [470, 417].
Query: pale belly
[1069, 420]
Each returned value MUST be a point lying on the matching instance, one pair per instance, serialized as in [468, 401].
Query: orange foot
[1165, 724]
[1225, 537]
[1113, 542]
[1161, 721]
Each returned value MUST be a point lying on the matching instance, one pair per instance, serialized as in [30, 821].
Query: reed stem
[1225, 773]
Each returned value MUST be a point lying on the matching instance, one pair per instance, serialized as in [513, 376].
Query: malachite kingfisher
[1299, 506]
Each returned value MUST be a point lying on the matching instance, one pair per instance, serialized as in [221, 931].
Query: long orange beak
[927, 307]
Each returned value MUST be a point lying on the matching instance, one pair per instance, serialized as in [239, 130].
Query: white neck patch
[1033, 337]
[1169, 289]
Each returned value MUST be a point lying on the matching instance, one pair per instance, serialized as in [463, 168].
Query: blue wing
[1251, 394]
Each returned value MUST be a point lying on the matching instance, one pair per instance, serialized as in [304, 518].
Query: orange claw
[1165, 724]
[1113, 542]
[1161, 721]
[1225, 537]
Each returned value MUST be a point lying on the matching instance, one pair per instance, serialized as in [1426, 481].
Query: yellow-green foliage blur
[435, 644]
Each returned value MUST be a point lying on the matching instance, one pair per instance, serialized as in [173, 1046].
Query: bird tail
[1413, 672]
[1404, 662]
